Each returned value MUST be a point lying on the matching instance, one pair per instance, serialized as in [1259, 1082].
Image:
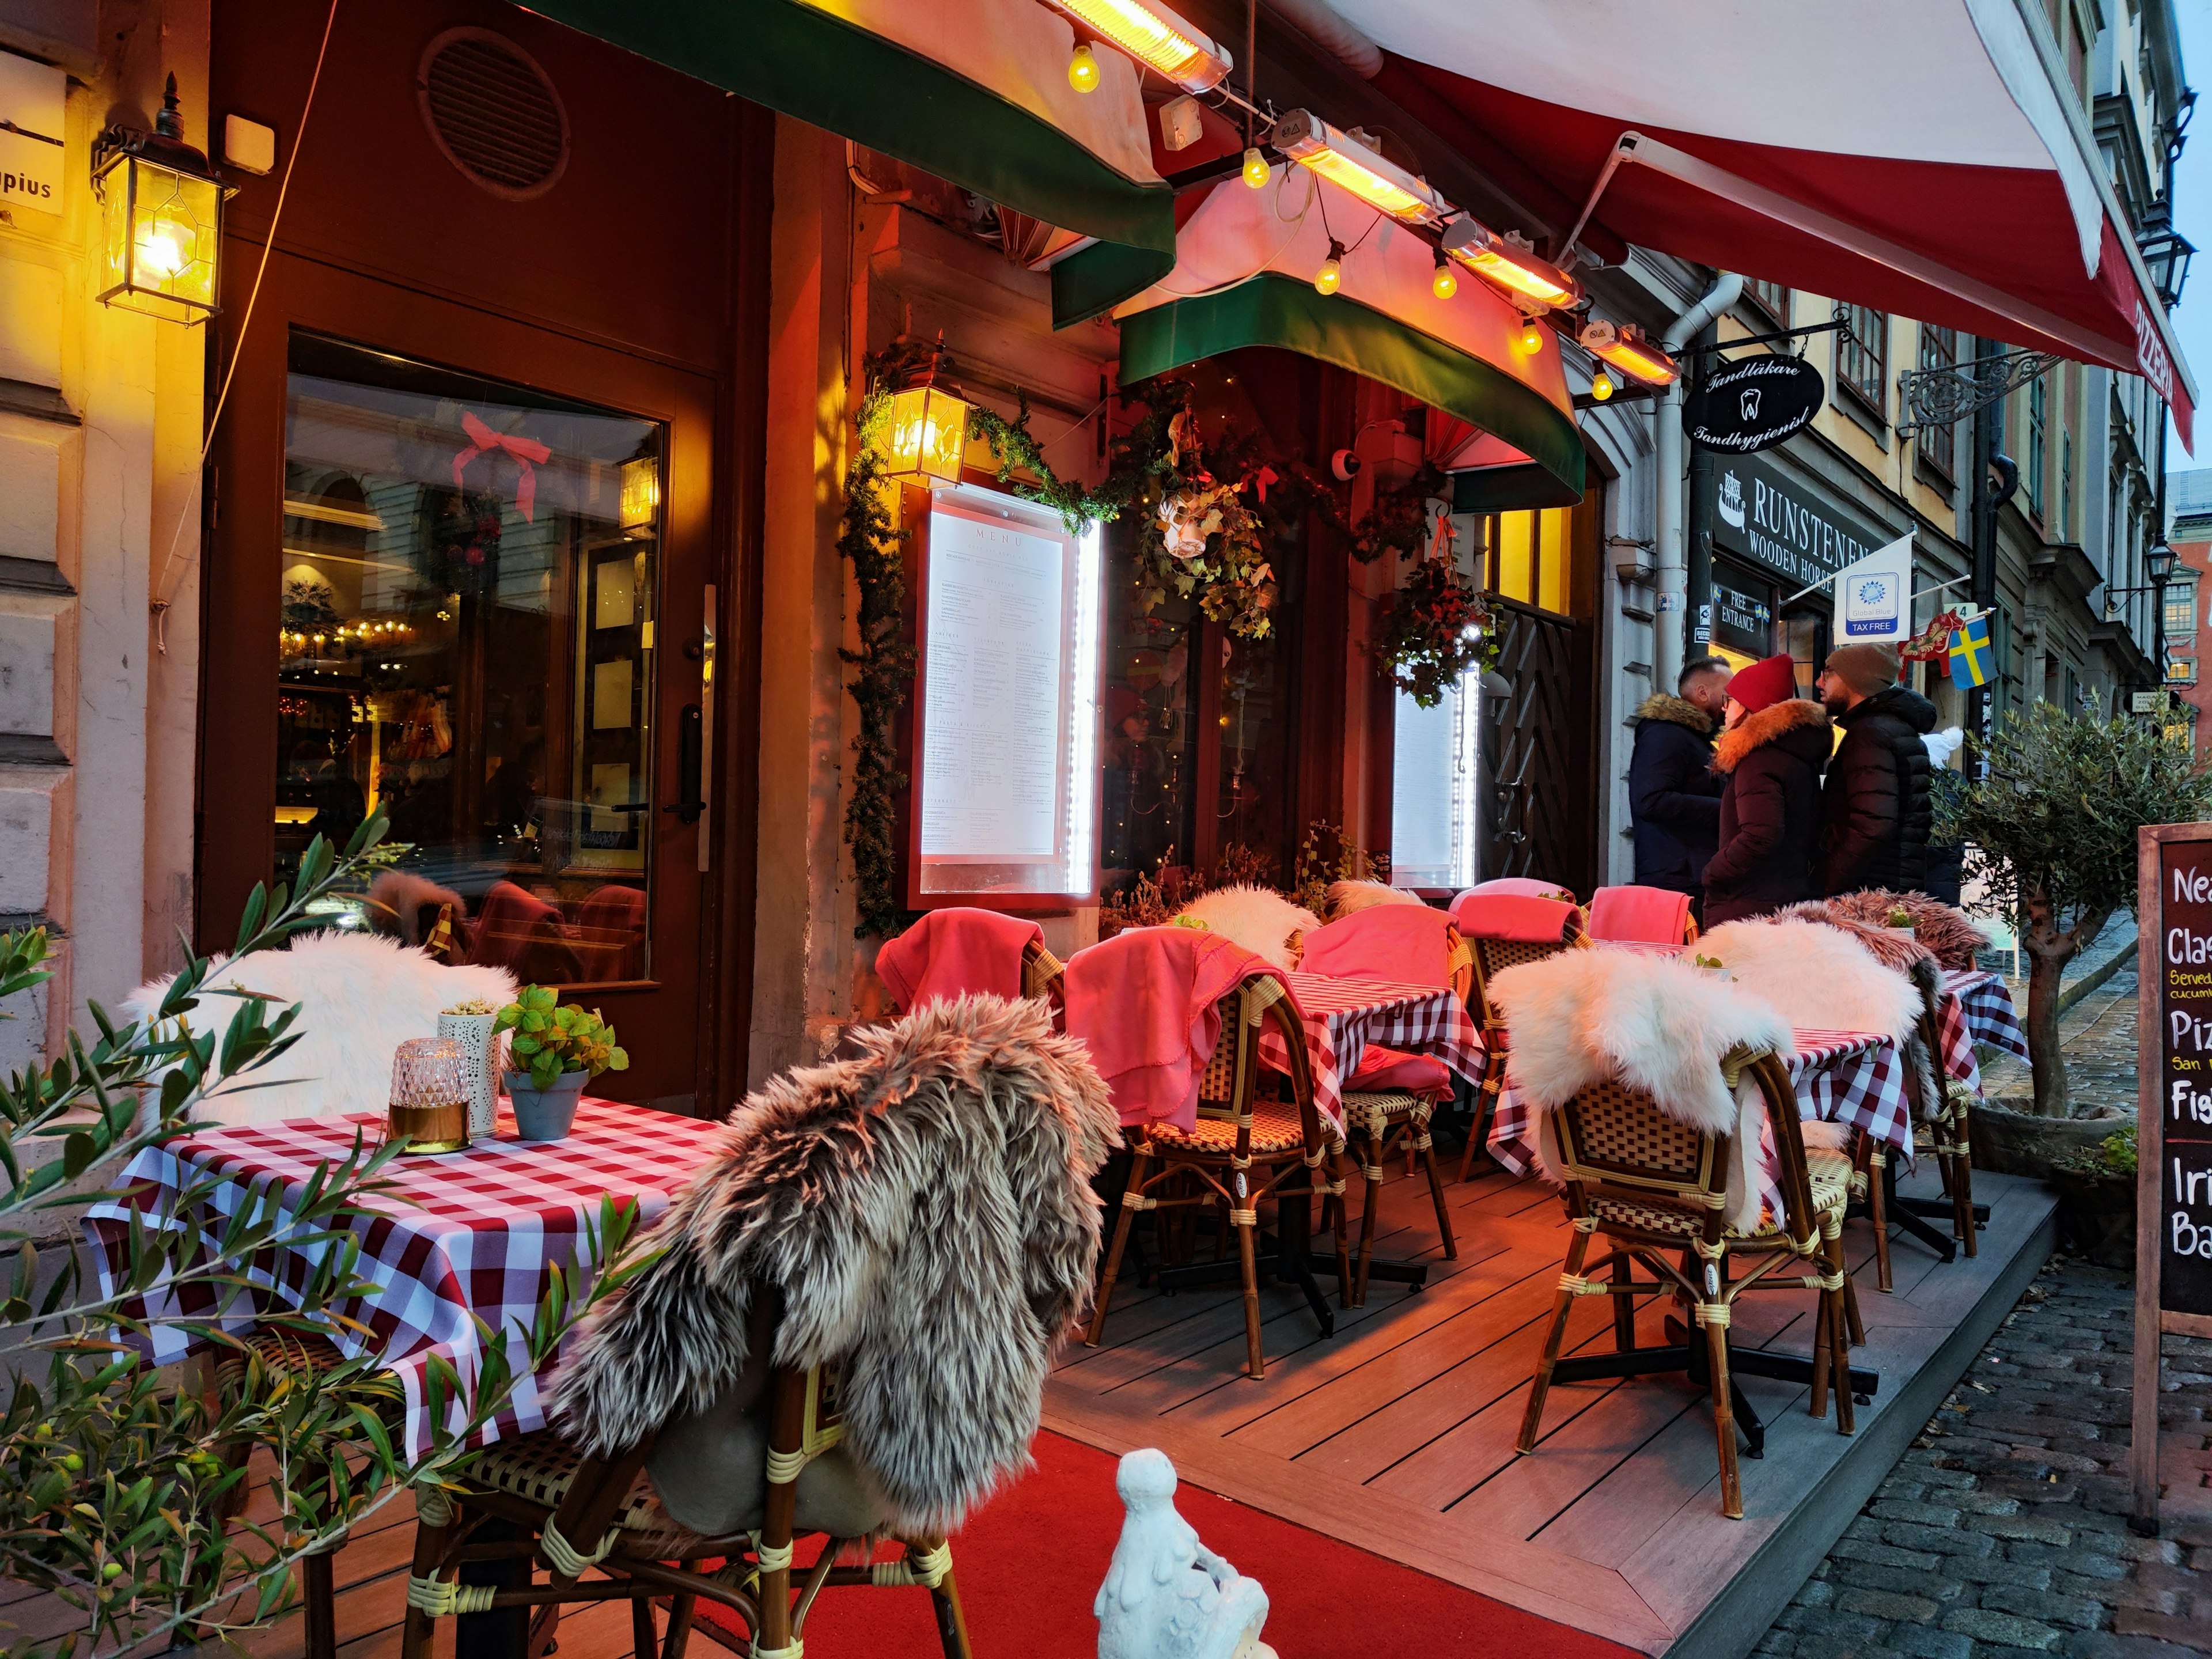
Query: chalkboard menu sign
[2173, 1118]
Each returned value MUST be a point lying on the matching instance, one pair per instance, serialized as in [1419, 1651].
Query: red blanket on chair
[1144, 1003]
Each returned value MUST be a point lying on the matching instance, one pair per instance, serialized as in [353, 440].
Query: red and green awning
[1244, 277]
[975, 91]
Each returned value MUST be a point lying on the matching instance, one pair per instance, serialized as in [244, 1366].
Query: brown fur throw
[1907, 957]
[925, 1211]
[1944, 930]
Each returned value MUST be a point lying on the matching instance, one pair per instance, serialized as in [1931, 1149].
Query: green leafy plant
[118, 1488]
[2114, 1156]
[552, 1036]
[1433, 630]
[2050, 824]
[1900, 917]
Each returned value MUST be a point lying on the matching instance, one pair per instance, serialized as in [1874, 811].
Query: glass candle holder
[430, 1094]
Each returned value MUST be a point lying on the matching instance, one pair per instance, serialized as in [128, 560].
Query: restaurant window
[2066, 485]
[1773, 299]
[1532, 557]
[468, 589]
[1149, 753]
[1939, 351]
[1435, 805]
[2182, 671]
[2181, 611]
[1862, 356]
[2038, 437]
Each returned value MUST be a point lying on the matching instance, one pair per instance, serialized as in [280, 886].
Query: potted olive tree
[554, 1050]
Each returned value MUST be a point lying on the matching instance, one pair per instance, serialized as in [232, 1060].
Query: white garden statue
[1168, 1597]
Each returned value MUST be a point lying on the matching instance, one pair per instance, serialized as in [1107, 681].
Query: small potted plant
[1899, 922]
[555, 1048]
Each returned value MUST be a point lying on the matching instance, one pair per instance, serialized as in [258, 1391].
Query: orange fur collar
[1776, 719]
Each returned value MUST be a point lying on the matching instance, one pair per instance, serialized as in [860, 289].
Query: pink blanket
[1382, 1071]
[949, 952]
[1144, 1003]
[1643, 915]
[1511, 915]
[1404, 944]
[1515, 886]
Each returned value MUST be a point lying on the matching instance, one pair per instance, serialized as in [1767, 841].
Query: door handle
[689, 734]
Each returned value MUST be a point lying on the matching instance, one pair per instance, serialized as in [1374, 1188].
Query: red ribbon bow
[527, 452]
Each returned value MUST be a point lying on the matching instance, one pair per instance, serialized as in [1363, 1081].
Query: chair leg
[1426, 1144]
[1343, 1222]
[679, 1620]
[1255, 1363]
[1716, 1361]
[1371, 1167]
[320, 1612]
[1824, 1337]
[1962, 1188]
[1486, 1102]
[644, 1639]
[1532, 1419]
[1122, 1224]
[951, 1618]
[1877, 1162]
[1839, 1353]
[1624, 1307]
[429, 1561]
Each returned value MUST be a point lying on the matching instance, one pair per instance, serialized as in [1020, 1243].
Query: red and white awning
[1921, 156]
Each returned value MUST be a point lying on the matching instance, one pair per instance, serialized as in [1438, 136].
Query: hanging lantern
[160, 220]
[639, 475]
[926, 433]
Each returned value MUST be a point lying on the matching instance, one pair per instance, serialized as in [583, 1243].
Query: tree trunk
[2049, 950]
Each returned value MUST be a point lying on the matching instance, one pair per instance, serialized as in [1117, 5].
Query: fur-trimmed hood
[1675, 711]
[925, 1211]
[1770, 725]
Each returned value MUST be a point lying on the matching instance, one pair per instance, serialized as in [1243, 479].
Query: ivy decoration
[1434, 628]
[1398, 523]
[883, 667]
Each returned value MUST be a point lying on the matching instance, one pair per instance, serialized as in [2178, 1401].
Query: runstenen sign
[2173, 1118]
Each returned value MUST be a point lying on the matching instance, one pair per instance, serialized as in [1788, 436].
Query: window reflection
[468, 580]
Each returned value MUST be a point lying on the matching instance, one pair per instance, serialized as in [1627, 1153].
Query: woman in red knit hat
[1771, 754]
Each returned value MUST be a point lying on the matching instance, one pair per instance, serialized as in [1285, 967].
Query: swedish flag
[1970, 654]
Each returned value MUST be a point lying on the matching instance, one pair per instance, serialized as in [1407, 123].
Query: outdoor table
[1985, 1010]
[1853, 1077]
[1342, 1017]
[460, 1237]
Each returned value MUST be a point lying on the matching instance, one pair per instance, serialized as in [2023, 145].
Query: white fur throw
[1262, 921]
[1814, 976]
[360, 994]
[1349, 898]
[1656, 1024]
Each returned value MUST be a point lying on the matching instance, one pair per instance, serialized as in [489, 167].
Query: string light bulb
[1256, 170]
[1445, 282]
[1331, 269]
[1600, 386]
[1083, 69]
[1532, 336]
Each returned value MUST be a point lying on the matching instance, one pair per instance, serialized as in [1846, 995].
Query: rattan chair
[1258, 1135]
[765, 1460]
[1942, 1135]
[1491, 957]
[1654, 1188]
[1385, 1123]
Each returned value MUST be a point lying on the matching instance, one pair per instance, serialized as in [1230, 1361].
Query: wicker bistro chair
[1257, 1136]
[758, 1472]
[1492, 957]
[1388, 1117]
[1654, 1188]
[1942, 1135]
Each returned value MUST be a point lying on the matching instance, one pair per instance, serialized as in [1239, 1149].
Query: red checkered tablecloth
[1852, 1078]
[462, 1237]
[1342, 1016]
[1986, 1009]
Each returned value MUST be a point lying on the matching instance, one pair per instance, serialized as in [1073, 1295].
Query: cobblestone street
[2003, 1529]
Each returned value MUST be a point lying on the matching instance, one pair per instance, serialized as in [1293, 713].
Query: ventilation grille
[493, 112]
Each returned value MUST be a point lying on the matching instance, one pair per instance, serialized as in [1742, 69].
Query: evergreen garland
[883, 668]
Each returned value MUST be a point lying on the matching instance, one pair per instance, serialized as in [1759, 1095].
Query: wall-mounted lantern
[160, 219]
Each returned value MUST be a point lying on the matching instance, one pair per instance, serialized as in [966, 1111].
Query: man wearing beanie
[1673, 799]
[1769, 828]
[1880, 806]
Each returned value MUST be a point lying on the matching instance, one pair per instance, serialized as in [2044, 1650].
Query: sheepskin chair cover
[925, 1211]
[1264, 922]
[1900, 956]
[1816, 976]
[1349, 898]
[1659, 1025]
[1946, 931]
[360, 996]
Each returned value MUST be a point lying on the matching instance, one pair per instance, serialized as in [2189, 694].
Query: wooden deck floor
[1396, 1435]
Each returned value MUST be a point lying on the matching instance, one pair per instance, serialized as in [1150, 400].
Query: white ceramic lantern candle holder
[481, 1046]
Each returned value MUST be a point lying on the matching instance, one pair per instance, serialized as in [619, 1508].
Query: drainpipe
[1672, 626]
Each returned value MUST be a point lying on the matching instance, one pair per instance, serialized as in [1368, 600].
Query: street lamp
[2157, 564]
[2165, 252]
[160, 219]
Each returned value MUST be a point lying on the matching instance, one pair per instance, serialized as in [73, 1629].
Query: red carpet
[1031, 1561]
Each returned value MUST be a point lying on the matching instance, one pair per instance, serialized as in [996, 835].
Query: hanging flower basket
[1433, 630]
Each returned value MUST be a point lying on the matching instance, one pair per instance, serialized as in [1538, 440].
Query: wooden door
[1536, 753]
[458, 572]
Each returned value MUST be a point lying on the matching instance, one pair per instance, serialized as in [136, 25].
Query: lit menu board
[1004, 743]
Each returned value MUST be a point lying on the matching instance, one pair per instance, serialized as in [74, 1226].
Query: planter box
[2022, 1144]
[2097, 1216]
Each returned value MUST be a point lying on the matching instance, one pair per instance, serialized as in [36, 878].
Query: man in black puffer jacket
[1878, 793]
[1673, 799]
